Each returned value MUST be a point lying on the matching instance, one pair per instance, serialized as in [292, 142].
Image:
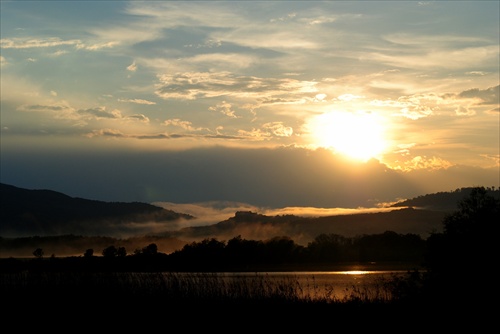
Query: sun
[356, 135]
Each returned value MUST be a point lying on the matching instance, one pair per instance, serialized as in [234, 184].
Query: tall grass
[174, 288]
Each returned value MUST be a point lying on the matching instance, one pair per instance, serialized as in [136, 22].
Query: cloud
[424, 59]
[413, 107]
[348, 97]
[59, 110]
[210, 43]
[137, 101]
[193, 85]
[27, 43]
[278, 129]
[248, 74]
[221, 60]
[138, 117]
[464, 111]
[38, 107]
[100, 112]
[50, 42]
[264, 178]
[106, 133]
[98, 46]
[433, 163]
[156, 136]
[132, 67]
[224, 108]
[487, 96]
[476, 73]
[180, 123]
[425, 105]
[59, 53]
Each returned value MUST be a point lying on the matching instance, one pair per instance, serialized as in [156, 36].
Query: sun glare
[359, 136]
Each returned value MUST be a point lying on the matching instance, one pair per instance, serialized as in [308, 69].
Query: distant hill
[254, 226]
[422, 215]
[25, 212]
[442, 201]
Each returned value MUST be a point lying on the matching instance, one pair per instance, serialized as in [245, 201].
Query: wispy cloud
[137, 101]
[26, 43]
[193, 85]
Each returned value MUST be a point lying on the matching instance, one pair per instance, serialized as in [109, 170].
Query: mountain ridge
[46, 212]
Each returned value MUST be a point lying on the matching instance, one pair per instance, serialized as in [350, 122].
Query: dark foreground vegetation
[325, 252]
[450, 275]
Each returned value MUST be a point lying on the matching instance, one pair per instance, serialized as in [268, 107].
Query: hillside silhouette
[26, 212]
[443, 201]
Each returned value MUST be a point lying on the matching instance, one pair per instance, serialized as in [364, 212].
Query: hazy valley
[63, 226]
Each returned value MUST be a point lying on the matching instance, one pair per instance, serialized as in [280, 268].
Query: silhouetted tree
[281, 249]
[329, 247]
[121, 252]
[150, 249]
[207, 254]
[390, 246]
[38, 253]
[468, 237]
[110, 251]
[468, 242]
[88, 253]
[241, 252]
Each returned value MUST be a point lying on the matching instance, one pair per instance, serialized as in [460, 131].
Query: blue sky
[270, 104]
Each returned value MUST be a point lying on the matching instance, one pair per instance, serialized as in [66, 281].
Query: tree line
[241, 254]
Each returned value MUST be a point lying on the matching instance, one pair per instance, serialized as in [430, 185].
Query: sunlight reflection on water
[338, 284]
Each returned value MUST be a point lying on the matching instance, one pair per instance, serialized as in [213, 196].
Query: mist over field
[68, 226]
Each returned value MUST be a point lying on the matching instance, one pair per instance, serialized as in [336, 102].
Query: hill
[254, 226]
[422, 215]
[442, 201]
[25, 212]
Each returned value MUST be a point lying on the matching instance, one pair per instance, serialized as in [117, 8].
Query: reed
[173, 287]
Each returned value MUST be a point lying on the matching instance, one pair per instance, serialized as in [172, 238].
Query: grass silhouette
[186, 288]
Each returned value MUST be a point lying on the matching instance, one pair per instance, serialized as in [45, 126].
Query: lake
[311, 284]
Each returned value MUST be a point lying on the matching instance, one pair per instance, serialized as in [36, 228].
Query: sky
[214, 106]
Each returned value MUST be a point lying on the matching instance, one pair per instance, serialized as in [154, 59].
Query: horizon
[214, 105]
[213, 213]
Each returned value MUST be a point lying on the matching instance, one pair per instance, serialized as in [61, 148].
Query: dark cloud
[39, 107]
[139, 117]
[262, 177]
[118, 134]
[99, 112]
[489, 96]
